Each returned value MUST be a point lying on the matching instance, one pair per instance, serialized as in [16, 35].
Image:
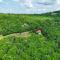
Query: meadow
[19, 40]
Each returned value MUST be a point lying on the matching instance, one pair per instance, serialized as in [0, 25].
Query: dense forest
[30, 37]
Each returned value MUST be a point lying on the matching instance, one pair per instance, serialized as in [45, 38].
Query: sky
[29, 6]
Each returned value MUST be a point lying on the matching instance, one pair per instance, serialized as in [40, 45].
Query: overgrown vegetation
[33, 47]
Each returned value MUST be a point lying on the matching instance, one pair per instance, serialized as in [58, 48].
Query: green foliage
[35, 47]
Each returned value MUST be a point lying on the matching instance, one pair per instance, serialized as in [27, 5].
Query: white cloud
[58, 1]
[16, 0]
[1, 0]
[29, 3]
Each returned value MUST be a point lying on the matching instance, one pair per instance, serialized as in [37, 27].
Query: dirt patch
[25, 34]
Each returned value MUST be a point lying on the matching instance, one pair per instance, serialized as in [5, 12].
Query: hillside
[19, 39]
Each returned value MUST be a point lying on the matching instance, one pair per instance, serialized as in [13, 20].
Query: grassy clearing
[19, 41]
